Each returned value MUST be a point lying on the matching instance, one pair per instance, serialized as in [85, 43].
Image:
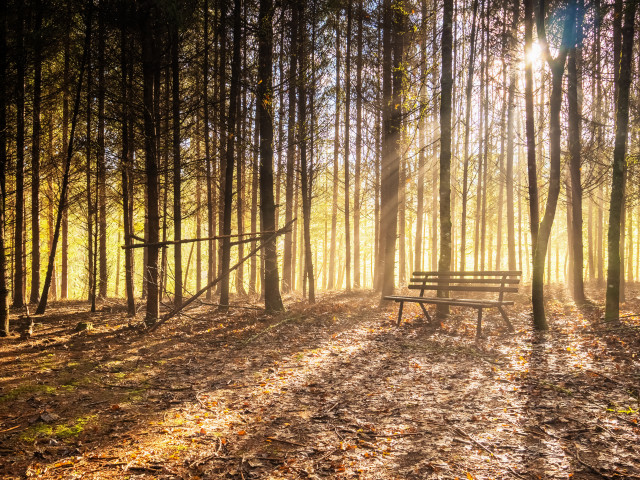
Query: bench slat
[496, 281]
[462, 288]
[490, 273]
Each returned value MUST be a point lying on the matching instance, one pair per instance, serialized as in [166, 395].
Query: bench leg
[426, 313]
[400, 312]
[506, 318]
[479, 326]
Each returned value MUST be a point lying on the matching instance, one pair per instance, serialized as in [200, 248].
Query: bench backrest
[497, 281]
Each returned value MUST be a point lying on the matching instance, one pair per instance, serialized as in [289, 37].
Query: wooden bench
[477, 283]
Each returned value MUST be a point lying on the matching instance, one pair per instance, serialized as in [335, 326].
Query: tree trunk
[230, 152]
[534, 202]
[287, 256]
[557, 66]
[253, 267]
[336, 167]
[211, 226]
[126, 161]
[444, 261]
[347, 147]
[149, 60]
[35, 155]
[100, 157]
[612, 306]
[64, 261]
[88, 171]
[177, 207]
[467, 130]
[393, 17]
[511, 110]
[574, 94]
[357, 173]
[272, 299]
[4, 292]
[18, 278]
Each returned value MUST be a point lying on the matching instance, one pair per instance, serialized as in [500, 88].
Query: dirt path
[330, 391]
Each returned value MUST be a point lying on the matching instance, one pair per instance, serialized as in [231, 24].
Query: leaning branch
[254, 235]
[262, 244]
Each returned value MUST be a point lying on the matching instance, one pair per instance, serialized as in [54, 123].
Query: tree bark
[18, 271]
[336, 167]
[35, 155]
[534, 202]
[177, 181]
[287, 256]
[264, 92]
[511, 110]
[101, 176]
[232, 129]
[347, 148]
[4, 292]
[357, 173]
[126, 161]
[444, 261]
[557, 66]
[149, 60]
[574, 100]
[612, 305]
[467, 131]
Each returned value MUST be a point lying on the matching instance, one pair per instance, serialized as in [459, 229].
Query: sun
[534, 53]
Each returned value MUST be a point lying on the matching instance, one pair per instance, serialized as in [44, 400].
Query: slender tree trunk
[126, 161]
[612, 306]
[253, 267]
[393, 22]
[557, 66]
[534, 202]
[50, 195]
[288, 254]
[149, 60]
[18, 271]
[64, 254]
[511, 110]
[88, 172]
[357, 173]
[100, 157]
[35, 155]
[574, 100]
[444, 261]
[336, 167]
[272, 299]
[198, 203]
[232, 129]
[177, 206]
[211, 209]
[347, 148]
[467, 131]
[4, 292]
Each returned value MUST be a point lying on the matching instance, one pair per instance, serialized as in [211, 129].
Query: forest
[215, 216]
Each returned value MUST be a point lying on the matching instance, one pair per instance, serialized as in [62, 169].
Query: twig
[590, 467]
[486, 449]
[9, 429]
[274, 439]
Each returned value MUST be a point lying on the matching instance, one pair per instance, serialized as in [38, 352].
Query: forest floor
[333, 390]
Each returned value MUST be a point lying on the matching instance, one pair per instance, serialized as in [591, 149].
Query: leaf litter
[332, 390]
